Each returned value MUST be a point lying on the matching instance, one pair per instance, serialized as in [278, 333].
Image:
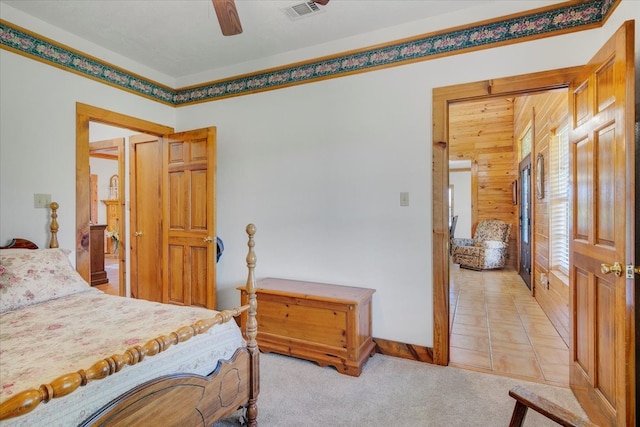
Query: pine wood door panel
[199, 259]
[582, 155]
[604, 357]
[178, 209]
[190, 216]
[199, 212]
[582, 323]
[146, 221]
[178, 287]
[602, 373]
[605, 194]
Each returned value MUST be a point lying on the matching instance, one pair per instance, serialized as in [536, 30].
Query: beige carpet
[390, 392]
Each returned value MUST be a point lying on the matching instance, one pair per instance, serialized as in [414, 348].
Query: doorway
[85, 114]
[107, 167]
[188, 206]
[496, 326]
[442, 99]
[587, 281]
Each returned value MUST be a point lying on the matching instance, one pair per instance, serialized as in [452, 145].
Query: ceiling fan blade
[227, 17]
[321, 2]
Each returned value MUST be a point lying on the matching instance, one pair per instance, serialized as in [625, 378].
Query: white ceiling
[182, 37]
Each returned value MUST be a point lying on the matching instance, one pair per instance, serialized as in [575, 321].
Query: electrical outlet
[404, 199]
[544, 280]
[41, 200]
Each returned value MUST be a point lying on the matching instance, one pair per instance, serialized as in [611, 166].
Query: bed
[72, 355]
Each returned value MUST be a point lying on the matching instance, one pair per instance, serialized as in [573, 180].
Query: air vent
[302, 10]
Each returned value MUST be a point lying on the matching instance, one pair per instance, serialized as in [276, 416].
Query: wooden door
[525, 220]
[146, 217]
[189, 212]
[602, 305]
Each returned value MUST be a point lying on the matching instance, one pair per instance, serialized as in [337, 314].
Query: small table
[328, 324]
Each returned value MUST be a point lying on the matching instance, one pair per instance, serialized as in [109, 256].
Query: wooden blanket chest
[328, 324]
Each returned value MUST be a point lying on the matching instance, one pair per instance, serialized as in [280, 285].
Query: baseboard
[403, 350]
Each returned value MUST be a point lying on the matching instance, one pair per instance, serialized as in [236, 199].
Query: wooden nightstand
[98, 273]
[328, 324]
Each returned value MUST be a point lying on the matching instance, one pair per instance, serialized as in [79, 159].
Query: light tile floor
[498, 327]
[111, 267]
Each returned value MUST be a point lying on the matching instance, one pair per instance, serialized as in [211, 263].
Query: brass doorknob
[208, 239]
[616, 268]
[138, 233]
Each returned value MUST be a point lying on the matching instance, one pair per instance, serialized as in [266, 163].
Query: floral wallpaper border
[572, 17]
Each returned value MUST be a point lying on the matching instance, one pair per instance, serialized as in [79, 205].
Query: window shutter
[559, 203]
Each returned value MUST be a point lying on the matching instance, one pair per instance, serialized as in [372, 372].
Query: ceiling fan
[229, 19]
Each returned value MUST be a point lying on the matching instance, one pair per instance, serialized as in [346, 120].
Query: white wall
[317, 167]
[38, 139]
[38, 132]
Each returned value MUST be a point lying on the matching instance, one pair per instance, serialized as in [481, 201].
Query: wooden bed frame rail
[28, 400]
[233, 384]
[526, 399]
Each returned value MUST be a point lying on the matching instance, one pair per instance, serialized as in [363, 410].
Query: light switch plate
[41, 200]
[404, 198]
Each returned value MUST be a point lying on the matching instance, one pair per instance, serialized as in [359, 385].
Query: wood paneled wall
[547, 111]
[482, 131]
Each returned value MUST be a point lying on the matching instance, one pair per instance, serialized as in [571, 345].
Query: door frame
[85, 114]
[441, 99]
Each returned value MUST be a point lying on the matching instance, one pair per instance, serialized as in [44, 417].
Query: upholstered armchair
[488, 248]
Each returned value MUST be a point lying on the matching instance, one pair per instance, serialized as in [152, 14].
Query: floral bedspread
[41, 342]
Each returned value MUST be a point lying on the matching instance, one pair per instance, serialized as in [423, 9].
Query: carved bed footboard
[181, 399]
[193, 400]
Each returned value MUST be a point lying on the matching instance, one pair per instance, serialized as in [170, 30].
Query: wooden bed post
[53, 243]
[252, 332]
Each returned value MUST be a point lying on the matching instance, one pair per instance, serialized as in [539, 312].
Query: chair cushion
[492, 229]
[494, 244]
